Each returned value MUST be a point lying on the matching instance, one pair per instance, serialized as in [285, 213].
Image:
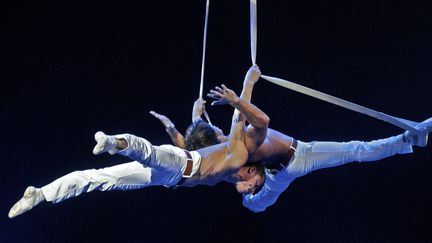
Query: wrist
[170, 128]
[197, 117]
[248, 83]
[235, 102]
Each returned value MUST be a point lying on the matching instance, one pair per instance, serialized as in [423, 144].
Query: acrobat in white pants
[154, 165]
[313, 156]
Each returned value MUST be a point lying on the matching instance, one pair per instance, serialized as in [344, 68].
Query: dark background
[69, 69]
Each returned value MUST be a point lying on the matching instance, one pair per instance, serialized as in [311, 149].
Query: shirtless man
[286, 158]
[164, 165]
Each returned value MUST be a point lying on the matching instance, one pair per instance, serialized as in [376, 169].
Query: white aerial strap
[400, 122]
[203, 58]
[253, 29]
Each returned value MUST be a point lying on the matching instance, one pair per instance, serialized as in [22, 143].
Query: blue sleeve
[260, 201]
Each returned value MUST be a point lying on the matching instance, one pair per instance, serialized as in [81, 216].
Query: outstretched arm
[257, 130]
[223, 95]
[177, 138]
[252, 76]
[253, 115]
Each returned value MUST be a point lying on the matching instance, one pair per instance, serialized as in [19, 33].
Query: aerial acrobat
[284, 157]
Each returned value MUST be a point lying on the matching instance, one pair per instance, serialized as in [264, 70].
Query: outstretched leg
[127, 176]
[134, 147]
[164, 157]
[319, 155]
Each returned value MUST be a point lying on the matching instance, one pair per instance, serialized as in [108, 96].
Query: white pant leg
[127, 176]
[320, 155]
[168, 160]
[141, 150]
[138, 149]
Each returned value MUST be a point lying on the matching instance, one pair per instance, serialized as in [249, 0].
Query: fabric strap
[253, 29]
[400, 122]
[203, 57]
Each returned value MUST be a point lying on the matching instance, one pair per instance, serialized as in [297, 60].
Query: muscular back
[220, 162]
[274, 148]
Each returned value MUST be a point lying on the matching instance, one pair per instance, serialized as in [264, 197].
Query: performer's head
[200, 134]
[250, 178]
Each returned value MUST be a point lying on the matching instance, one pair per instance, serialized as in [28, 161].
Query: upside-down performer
[164, 165]
[286, 158]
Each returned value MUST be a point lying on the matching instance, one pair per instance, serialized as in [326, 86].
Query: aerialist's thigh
[163, 158]
[331, 154]
[170, 158]
[318, 155]
[127, 176]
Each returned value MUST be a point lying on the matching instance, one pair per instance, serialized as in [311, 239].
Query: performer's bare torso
[274, 149]
[218, 164]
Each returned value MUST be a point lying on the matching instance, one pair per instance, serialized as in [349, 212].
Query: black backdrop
[70, 68]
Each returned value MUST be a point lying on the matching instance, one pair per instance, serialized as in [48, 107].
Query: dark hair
[258, 166]
[260, 171]
[200, 135]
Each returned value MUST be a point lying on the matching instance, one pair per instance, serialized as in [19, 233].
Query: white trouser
[155, 165]
[318, 155]
[127, 176]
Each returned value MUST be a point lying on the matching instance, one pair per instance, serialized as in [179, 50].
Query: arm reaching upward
[177, 138]
[258, 119]
[257, 130]
[252, 76]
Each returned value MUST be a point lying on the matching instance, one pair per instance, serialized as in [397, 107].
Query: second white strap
[400, 122]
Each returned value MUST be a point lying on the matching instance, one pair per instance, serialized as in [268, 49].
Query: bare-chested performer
[164, 165]
[286, 158]
[201, 134]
